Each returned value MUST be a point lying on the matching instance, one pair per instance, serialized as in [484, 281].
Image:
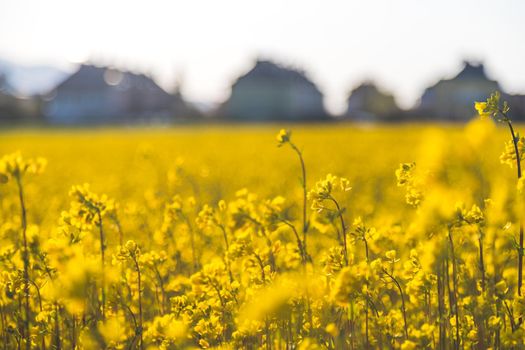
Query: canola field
[390, 237]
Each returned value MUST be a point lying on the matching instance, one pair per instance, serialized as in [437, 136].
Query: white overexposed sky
[403, 45]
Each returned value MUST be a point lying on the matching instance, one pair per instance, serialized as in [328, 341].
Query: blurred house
[8, 112]
[517, 106]
[16, 109]
[452, 99]
[366, 103]
[103, 95]
[272, 92]
[9, 108]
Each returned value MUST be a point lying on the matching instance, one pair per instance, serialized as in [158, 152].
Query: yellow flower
[509, 154]
[332, 329]
[391, 255]
[501, 288]
[481, 109]
[492, 108]
[494, 322]
[204, 343]
[283, 137]
[131, 246]
[14, 165]
[409, 345]
[404, 173]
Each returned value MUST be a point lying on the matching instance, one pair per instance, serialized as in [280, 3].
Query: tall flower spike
[493, 108]
[509, 154]
[15, 166]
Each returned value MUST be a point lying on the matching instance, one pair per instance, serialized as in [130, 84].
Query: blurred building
[8, 110]
[452, 99]
[367, 103]
[517, 106]
[103, 95]
[17, 109]
[272, 92]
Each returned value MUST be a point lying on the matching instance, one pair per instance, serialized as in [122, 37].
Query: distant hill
[25, 80]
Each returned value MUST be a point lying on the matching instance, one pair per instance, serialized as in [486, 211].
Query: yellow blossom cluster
[177, 257]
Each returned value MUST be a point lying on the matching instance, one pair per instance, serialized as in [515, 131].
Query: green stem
[139, 285]
[261, 265]
[162, 289]
[25, 258]
[455, 284]
[403, 308]
[518, 165]
[192, 242]
[39, 298]
[343, 228]
[520, 249]
[303, 171]
[58, 342]
[226, 257]
[299, 243]
[511, 316]
[481, 259]
[102, 261]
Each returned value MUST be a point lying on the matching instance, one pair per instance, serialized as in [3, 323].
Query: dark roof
[89, 77]
[472, 71]
[267, 70]
[366, 86]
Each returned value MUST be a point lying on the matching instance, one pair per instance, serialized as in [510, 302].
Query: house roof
[365, 87]
[370, 89]
[267, 70]
[90, 77]
[472, 71]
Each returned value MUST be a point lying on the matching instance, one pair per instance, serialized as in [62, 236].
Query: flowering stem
[366, 304]
[4, 333]
[162, 289]
[455, 284]
[73, 331]
[441, 304]
[139, 285]
[225, 236]
[102, 257]
[39, 298]
[515, 142]
[343, 228]
[481, 260]
[403, 308]
[518, 165]
[299, 243]
[25, 257]
[269, 243]
[261, 265]
[366, 249]
[192, 242]
[58, 344]
[226, 252]
[367, 341]
[128, 309]
[511, 316]
[226, 257]
[303, 170]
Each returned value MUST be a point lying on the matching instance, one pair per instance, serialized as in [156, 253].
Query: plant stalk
[25, 258]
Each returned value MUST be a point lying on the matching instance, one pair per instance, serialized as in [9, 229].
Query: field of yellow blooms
[328, 237]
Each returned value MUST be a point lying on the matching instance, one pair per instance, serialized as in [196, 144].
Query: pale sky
[403, 45]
